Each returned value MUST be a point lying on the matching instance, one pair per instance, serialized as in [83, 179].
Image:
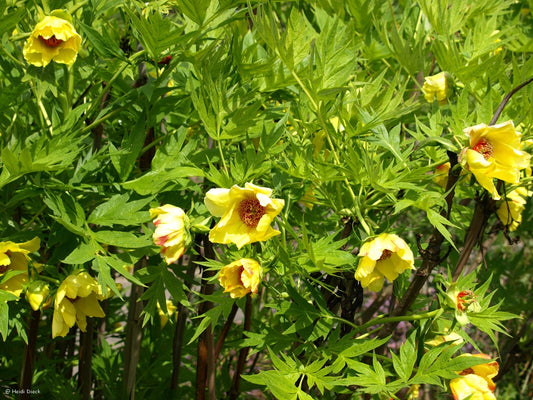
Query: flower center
[484, 147]
[3, 268]
[250, 212]
[386, 254]
[51, 41]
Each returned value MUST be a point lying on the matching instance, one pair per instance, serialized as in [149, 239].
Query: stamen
[484, 147]
[386, 254]
[51, 41]
[250, 212]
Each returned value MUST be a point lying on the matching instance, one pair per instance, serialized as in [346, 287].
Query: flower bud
[37, 293]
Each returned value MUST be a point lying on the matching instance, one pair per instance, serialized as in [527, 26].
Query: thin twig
[225, 329]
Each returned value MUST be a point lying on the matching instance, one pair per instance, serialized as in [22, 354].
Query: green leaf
[122, 239]
[118, 210]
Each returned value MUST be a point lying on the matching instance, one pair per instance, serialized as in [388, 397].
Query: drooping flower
[171, 232]
[494, 152]
[510, 210]
[439, 86]
[241, 277]
[14, 257]
[53, 38]
[385, 256]
[163, 317]
[37, 295]
[76, 299]
[476, 381]
[246, 214]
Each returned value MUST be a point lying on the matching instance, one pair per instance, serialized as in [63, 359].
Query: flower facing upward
[14, 257]
[171, 231]
[476, 381]
[52, 39]
[510, 211]
[241, 277]
[246, 214]
[76, 299]
[386, 256]
[439, 86]
[494, 152]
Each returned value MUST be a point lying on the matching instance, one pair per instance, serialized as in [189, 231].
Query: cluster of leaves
[319, 100]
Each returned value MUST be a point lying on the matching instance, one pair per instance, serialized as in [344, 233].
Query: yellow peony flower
[440, 86]
[494, 152]
[76, 299]
[241, 277]
[14, 257]
[386, 256]
[510, 211]
[246, 214]
[440, 177]
[171, 232]
[37, 295]
[52, 39]
[452, 338]
[163, 317]
[476, 381]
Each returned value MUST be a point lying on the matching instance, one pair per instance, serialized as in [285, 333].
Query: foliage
[320, 101]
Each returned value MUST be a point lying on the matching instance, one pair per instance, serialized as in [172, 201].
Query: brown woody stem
[29, 356]
[177, 343]
[85, 360]
[234, 391]
[205, 363]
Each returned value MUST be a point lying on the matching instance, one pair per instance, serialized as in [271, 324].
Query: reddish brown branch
[225, 330]
[29, 356]
[234, 391]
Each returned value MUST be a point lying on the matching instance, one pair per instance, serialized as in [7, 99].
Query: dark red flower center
[484, 147]
[52, 41]
[250, 212]
[3, 268]
[386, 254]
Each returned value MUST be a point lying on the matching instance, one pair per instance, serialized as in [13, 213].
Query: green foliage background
[256, 92]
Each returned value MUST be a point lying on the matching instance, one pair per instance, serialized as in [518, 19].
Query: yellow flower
[452, 338]
[494, 152]
[386, 256]
[171, 232]
[52, 39]
[246, 214]
[14, 257]
[476, 380]
[440, 177]
[37, 293]
[510, 211]
[163, 317]
[440, 86]
[414, 392]
[241, 277]
[76, 299]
